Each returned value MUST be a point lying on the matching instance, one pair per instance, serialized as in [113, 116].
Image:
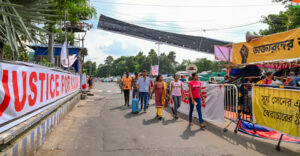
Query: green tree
[19, 20]
[118, 66]
[205, 65]
[153, 57]
[172, 56]
[285, 20]
[90, 68]
[131, 64]
[283, 1]
[182, 66]
[140, 59]
[75, 11]
[109, 60]
[166, 64]
[102, 70]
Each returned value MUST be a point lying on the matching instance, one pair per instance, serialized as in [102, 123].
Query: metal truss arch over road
[197, 43]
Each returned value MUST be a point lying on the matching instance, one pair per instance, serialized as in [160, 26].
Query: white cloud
[124, 46]
[187, 18]
[95, 42]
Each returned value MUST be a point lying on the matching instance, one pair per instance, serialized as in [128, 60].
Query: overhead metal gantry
[197, 43]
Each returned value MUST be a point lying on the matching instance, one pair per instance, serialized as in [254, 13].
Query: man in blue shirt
[144, 85]
[294, 79]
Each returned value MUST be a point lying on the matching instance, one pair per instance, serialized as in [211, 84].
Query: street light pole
[158, 53]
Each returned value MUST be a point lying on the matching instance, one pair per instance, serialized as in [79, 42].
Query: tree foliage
[75, 11]
[19, 20]
[90, 68]
[168, 64]
[285, 20]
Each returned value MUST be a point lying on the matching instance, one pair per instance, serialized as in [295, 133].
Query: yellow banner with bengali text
[278, 109]
[285, 45]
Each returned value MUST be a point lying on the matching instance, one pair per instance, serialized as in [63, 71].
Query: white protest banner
[83, 82]
[213, 108]
[25, 89]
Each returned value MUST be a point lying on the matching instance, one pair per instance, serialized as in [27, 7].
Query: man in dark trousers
[126, 87]
[134, 86]
[143, 86]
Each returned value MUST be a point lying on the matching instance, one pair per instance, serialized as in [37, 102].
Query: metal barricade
[245, 104]
[230, 104]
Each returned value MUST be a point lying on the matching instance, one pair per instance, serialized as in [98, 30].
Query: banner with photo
[285, 45]
[154, 70]
[278, 109]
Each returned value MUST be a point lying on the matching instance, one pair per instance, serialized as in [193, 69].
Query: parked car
[216, 80]
[115, 79]
[106, 80]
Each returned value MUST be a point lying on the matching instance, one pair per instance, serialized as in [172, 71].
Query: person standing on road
[195, 99]
[127, 87]
[176, 91]
[121, 84]
[143, 86]
[159, 90]
[134, 86]
[90, 82]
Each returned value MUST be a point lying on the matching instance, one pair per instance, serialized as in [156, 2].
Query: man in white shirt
[144, 85]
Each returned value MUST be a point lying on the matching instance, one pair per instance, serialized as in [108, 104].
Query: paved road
[100, 125]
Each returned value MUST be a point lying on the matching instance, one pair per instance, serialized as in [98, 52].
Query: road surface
[102, 126]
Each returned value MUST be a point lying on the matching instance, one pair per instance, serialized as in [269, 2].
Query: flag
[63, 55]
[296, 3]
[154, 70]
[64, 59]
[83, 82]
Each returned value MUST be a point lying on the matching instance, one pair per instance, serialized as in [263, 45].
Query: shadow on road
[235, 139]
[131, 115]
[150, 121]
[122, 108]
[167, 122]
[187, 133]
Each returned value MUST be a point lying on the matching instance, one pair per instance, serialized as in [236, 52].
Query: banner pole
[278, 145]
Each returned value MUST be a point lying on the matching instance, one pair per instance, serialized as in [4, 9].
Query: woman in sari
[159, 94]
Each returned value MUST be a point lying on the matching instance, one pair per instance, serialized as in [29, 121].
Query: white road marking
[100, 91]
[108, 91]
[89, 100]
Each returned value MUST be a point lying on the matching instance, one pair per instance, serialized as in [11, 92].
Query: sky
[179, 16]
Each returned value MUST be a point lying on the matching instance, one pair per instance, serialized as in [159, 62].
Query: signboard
[213, 108]
[223, 53]
[25, 89]
[155, 70]
[285, 45]
[278, 109]
[191, 69]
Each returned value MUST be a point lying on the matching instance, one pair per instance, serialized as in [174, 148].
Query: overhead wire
[134, 18]
[182, 6]
[148, 20]
[184, 29]
[154, 23]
